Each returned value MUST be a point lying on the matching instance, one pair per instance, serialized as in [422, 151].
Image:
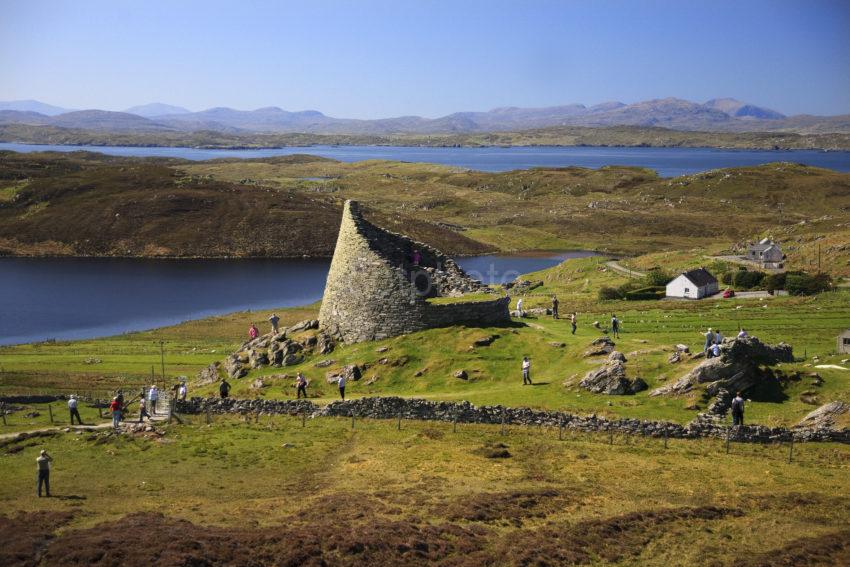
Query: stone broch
[375, 291]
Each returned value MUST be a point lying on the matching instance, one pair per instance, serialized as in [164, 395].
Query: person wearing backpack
[738, 410]
[224, 389]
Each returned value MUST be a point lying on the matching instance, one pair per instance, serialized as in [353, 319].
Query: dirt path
[623, 270]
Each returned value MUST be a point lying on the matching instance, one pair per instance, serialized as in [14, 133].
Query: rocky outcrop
[208, 375]
[610, 378]
[275, 350]
[600, 347]
[825, 416]
[351, 373]
[736, 369]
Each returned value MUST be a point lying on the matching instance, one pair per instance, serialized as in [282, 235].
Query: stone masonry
[375, 291]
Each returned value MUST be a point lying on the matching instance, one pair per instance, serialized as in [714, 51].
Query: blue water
[77, 298]
[668, 162]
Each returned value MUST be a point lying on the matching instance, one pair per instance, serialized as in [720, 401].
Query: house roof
[700, 277]
[765, 244]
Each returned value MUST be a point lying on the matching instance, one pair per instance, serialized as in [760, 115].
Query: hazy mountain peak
[156, 109]
[739, 109]
[32, 106]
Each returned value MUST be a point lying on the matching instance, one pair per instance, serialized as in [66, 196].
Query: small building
[693, 284]
[843, 346]
[766, 253]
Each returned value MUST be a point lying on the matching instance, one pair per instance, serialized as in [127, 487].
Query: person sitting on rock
[715, 350]
[253, 332]
[224, 389]
[301, 385]
[742, 334]
[738, 410]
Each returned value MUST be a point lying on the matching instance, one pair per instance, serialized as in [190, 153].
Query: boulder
[258, 384]
[324, 363]
[484, 341]
[557, 344]
[610, 378]
[824, 417]
[600, 347]
[305, 325]
[461, 374]
[208, 375]
[325, 344]
[617, 356]
[351, 372]
[675, 357]
[638, 385]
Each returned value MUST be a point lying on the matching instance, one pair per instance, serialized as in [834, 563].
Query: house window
[847, 340]
[687, 290]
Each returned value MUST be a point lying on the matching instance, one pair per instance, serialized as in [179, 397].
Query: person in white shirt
[526, 371]
[341, 384]
[72, 407]
[182, 391]
[153, 396]
[43, 461]
[519, 308]
[743, 334]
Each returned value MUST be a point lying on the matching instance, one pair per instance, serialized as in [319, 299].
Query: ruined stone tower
[376, 289]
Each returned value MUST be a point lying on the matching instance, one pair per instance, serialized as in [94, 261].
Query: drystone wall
[374, 290]
[464, 412]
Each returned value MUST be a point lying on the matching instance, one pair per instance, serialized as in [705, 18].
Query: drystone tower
[376, 288]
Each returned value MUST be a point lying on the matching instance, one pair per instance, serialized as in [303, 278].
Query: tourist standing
[301, 385]
[615, 326]
[43, 462]
[526, 371]
[417, 257]
[153, 396]
[116, 408]
[519, 310]
[72, 408]
[738, 410]
[224, 389]
[253, 332]
[182, 391]
[718, 338]
[709, 340]
[573, 322]
[341, 383]
[554, 306]
[274, 320]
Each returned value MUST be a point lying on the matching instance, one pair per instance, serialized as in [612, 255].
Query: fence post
[352, 420]
[503, 421]
[561, 431]
[50, 411]
[4, 417]
[454, 423]
[257, 417]
[665, 436]
[610, 437]
[791, 449]
[398, 427]
[728, 436]
[303, 418]
[209, 417]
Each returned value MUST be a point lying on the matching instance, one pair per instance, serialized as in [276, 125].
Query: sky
[372, 59]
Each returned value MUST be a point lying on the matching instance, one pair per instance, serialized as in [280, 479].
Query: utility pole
[162, 358]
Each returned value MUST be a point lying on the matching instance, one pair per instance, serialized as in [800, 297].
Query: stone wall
[371, 291]
[464, 412]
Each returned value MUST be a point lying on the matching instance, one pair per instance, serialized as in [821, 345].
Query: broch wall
[375, 291]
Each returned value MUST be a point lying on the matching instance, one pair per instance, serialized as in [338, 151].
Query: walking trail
[623, 270]
[163, 406]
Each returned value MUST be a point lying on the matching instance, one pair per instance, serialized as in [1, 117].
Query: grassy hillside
[553, 136]
[92, 205]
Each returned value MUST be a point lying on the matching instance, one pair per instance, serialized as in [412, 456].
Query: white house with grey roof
[766, 253]
[693, 284]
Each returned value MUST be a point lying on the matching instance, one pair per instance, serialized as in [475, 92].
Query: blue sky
[372, 59]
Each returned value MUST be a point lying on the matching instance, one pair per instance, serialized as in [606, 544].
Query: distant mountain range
[716, 115]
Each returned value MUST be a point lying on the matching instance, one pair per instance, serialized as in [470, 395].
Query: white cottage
[693, 284]
[766, 254]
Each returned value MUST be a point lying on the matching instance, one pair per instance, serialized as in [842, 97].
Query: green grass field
[375, 495]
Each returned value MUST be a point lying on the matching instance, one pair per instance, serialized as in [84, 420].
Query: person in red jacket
[116, 408]
[253, 332]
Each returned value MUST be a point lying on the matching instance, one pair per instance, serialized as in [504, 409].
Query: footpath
[620, 269]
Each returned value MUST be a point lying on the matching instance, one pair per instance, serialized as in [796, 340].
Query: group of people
[254, 332]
